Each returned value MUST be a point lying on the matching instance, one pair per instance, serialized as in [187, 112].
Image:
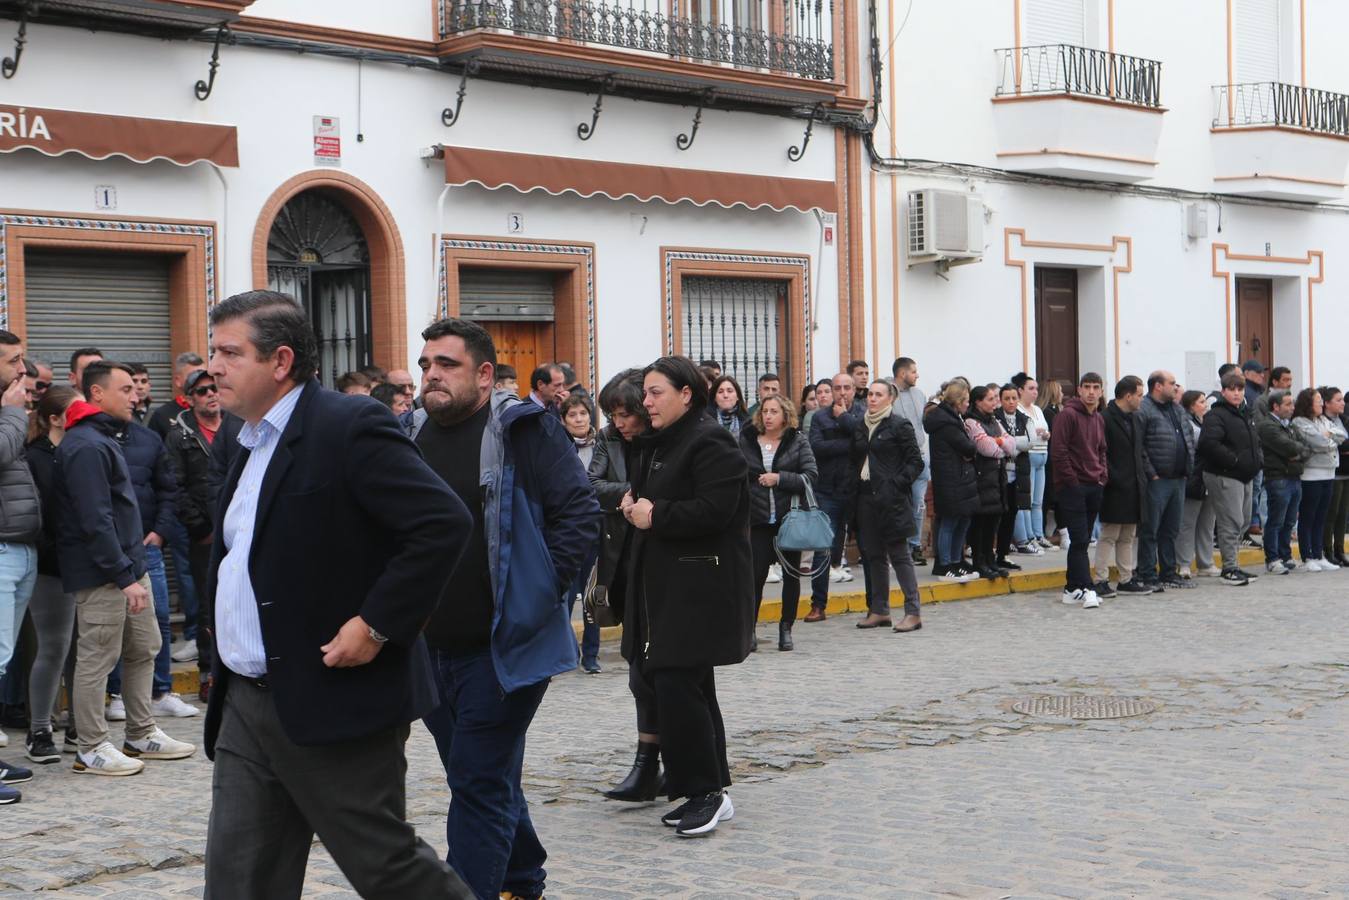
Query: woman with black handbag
[885, 461]
[781, 467]
[690, 603]
[621, 403]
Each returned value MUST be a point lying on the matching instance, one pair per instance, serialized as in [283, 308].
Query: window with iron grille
[740, 322]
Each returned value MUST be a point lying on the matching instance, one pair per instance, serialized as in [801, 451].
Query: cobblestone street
[885, 765]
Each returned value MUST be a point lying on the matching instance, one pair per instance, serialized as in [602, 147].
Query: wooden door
[522, 345]
[1056, 327]
[1255, 321]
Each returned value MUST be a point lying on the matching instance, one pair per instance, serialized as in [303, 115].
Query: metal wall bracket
[9, 67]
[795, 153]
[685, 141]
[449, 117]
[586, 132]
[203, 88]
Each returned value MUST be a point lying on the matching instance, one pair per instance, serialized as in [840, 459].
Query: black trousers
[1007, 521]
[983, 535]
[199, 561]
[761, 550]
[692, 736]
[1078, 506]
[269, 796]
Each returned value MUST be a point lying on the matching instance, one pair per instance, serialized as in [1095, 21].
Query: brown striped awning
[98, 136]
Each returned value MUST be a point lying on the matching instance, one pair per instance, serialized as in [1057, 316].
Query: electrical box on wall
[945, 227]
[1196, 220]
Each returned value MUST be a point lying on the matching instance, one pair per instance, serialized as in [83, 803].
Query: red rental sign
[327, 141]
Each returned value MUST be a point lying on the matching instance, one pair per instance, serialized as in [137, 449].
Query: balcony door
[1056, 327]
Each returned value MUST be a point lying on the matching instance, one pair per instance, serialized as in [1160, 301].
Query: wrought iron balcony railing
[740, 33]
[1066, 69]
[1274, 103]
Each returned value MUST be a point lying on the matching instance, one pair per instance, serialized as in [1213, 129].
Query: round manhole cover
[1079, 706]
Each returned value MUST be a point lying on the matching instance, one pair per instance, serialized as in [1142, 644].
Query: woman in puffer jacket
[1324, 435]
[954, 492]
[992, 446]
[781, 466]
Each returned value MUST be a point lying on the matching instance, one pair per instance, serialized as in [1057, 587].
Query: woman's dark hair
[1329, 393]
[979, 392]
[1188, 398]
[806, 391]
[275, 320]
[624, 391]
[1302, 407]
[682, 373]
[53, 403]
[1009, 386]
[1019, 380]
[577, 400]
[739, 394]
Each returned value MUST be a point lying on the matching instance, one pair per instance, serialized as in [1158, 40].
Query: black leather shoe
[785, 638]
[645, 781]
[1009, 565]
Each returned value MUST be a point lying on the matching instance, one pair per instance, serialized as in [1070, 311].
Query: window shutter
[1257, 39]
[1055, 22]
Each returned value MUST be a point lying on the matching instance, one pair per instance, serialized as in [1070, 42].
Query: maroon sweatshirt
[1077, 446]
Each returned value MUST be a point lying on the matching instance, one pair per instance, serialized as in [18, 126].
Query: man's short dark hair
[1278, 372]
[505, 372]
[1276, 397]
[1224, 369]
[138, 369]
[185, 359]
[9, 339]
[477, 340]
[1090, 378]
[900, 364]
[275, 320]
[29, 370]
[710, 362]
[682, 373]
[768, 376]
[351, 379]
[386, 393]
[98, 373]
[543, 375]
[84, 351]
[1128, 386]
[1154, 379]
[856, 364]
[568, 374]
[1233, 380]
[374, 373]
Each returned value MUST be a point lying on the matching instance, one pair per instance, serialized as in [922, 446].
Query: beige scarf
[873, 420]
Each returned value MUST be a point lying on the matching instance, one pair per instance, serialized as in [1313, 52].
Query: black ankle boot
[644, 781]
[785, 637]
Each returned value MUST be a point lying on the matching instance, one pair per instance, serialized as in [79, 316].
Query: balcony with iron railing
[1282, 141]
[752, 41]
[1077, 112]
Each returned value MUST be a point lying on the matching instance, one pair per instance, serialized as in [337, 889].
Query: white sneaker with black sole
[105, 759]
[702, 814]
[158, 745]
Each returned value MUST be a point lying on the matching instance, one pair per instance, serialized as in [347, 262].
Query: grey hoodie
[910, 404]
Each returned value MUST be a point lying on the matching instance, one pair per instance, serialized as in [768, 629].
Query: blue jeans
[1157, 534]
[918, 496]
[159, 587]
[1259, 504]
[1285, 497]
[18, 573]
[819, 582]
[480, 734]
[177, 543]
[590, 632]
[1311, 520]
[951, 539]
[1030, 523]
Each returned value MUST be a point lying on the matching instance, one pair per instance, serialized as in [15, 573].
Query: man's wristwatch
[376, 636]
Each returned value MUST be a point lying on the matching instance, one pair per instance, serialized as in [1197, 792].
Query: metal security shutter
[1055, 22]
[735, 321]
[114, 301]
[1257, 37]
[506, 295]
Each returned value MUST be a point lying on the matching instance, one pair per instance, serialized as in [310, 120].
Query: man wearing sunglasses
[196, 433]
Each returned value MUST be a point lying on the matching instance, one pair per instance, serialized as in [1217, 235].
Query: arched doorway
[317, 253]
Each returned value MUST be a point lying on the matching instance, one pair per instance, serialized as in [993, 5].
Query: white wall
[399, 18]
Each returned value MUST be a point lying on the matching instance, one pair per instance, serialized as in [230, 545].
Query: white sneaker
[1311, 565]
[158, 745]
[847, 573]
[4, 739]
[775, 574]
[171, 706]
[116, 711]
[107, 760]
[835, 574]
[1091, 600]
[1074, 597]
[186, 651]
[1208, 572]
[1275, 568]
[1065, 540]
[1046, 544]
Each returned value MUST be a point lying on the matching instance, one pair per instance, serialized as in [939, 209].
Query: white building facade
[1117, 187]
[597, 184]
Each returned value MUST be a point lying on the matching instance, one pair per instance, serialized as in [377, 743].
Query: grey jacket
[910, 404]
[20, 507]
[1324, 436]
[1168, 441]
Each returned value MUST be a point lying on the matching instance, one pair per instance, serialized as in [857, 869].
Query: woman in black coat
[885, 463]
[993, 446]
[690, 589]
[1017, 490]
[781, 466]
[954, 492]
[621, 402]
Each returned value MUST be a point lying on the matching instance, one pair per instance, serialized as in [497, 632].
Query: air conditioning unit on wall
[945, 227]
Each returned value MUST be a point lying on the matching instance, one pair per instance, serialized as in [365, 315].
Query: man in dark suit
[333, 540]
